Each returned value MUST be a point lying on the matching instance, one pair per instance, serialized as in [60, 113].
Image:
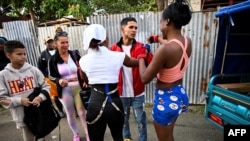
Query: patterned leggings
[71, 100]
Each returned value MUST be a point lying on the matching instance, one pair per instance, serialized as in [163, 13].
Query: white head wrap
[93, 31]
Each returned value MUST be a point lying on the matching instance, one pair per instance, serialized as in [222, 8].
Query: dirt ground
[191, 126]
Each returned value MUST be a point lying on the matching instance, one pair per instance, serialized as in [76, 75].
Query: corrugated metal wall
[24, 31]
[33, 38]
[202, 29]
[203, 32]
[75, 34]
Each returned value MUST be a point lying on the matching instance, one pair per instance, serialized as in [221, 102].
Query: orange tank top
[175, 73]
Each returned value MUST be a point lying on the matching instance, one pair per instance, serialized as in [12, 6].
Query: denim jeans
[138, 106]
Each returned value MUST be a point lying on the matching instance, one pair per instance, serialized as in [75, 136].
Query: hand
[4, 101]
[36, 101]
[25, 102]
[85, 85]
[153, 39]
[63, 82]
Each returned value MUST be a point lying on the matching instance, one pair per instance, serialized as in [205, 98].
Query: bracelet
[155, 37]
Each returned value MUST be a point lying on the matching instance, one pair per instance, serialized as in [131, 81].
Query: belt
[108, 93]
[108, 98]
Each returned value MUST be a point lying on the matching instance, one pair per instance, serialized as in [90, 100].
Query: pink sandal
[87, 138]
[76, 137]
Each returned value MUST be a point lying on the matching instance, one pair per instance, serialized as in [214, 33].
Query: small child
[17, 82]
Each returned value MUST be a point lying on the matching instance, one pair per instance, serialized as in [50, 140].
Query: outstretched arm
[130, 62]
[147, 74]
[156, 39]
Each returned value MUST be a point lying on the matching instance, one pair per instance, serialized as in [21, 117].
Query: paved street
[191, 126]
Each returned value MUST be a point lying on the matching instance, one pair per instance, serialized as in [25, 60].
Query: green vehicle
[228, 93]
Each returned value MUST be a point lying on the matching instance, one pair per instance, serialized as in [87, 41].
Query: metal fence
[75, 34]
[202, 29]
[24, 31]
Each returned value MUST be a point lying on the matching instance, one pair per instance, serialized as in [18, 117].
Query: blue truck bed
[229, 103]
[228, 93]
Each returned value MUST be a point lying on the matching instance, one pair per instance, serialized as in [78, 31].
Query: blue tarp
[233, 9]
[233, 40]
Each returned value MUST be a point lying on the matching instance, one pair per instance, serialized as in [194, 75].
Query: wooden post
[162, 4]
[165, 4]
[32, 16]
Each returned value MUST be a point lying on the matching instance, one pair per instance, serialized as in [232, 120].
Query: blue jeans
[138, 105]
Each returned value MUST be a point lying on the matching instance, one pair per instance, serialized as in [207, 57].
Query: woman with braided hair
[169, 64]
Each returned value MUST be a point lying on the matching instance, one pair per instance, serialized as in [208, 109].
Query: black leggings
[110, 116]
